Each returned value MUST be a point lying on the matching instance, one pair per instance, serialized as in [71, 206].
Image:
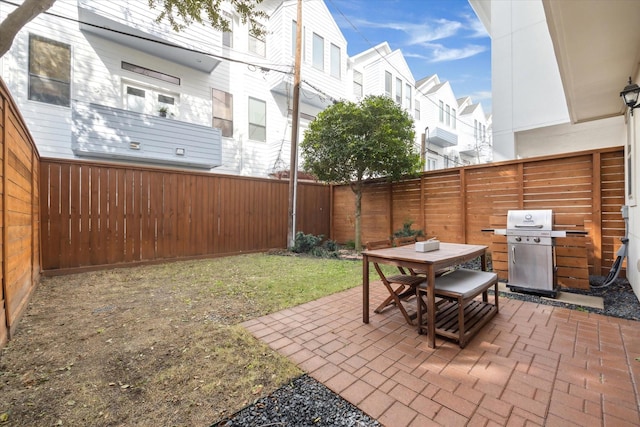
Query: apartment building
[105, 81]
[449, 132]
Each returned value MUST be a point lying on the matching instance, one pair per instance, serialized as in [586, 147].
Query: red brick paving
[532, 365]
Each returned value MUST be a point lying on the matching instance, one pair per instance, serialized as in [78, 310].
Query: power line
[261, 67]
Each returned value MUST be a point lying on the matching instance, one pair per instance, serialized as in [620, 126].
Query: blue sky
[442, 37]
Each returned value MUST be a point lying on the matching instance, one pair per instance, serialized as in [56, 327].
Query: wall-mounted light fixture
[630, 95]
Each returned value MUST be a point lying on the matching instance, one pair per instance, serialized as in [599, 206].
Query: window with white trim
[388, 82]
[441, 111]
[407, 96]
[257, 119]
[49, 71]
[454, 118]
[258, 45]
[294, 36]
[149, 100]
[335, 61]
[318, 52]
[223, 112]
[398, 91]
[416, 113]
[357, 84]
[227, 36]
[448, 115]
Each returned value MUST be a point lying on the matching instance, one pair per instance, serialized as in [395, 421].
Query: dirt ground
[155, 345]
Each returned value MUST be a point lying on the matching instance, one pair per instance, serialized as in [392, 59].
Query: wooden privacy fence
[97, 214]
[584, 189]
[19, 215]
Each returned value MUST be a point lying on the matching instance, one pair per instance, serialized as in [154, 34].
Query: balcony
[469, 150]
[110, 133]
[117, 29]
[443, 138]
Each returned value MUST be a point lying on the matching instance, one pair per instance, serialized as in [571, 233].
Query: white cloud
[441, 53]
[418, 33]
[476, 27]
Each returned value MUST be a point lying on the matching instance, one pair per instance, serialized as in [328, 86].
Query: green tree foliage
[181, 13]
[350, 142]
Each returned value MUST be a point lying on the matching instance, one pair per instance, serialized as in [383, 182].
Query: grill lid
[530, 222]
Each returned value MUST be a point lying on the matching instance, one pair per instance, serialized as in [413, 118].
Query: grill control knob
[536, 239]
[518, 239]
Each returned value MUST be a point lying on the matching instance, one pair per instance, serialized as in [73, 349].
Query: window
[357, 84]
[257, 120]
[448, 115]
[475, 129]
[441, 112]
[407, 96]
[431, 164]
[318, 52]
[258, 45]
[398, 91]
[150, 73]
[223, 112]
[387, 83]
[453, 118]
[49, 71]
[417, 110]
[149, 100]
[227, 36]
[294, 29]
[335, 61]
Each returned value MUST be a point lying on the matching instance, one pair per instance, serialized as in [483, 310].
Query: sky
[443, 37]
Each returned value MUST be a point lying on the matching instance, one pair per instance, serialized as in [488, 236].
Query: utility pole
[293, 165]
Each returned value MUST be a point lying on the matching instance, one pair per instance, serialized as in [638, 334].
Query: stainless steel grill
[531, 246]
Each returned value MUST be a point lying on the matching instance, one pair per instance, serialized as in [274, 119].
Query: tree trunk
[17, 19]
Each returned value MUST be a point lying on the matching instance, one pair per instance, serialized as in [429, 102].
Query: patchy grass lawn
[156, 345]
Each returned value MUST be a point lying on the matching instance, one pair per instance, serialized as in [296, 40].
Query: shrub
[313, 245]
[303, 243]
[406, 230]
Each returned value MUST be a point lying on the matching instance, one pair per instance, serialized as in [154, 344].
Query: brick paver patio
[531, 365]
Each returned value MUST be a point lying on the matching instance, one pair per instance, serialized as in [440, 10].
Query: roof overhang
[597, 47]
[92, 22]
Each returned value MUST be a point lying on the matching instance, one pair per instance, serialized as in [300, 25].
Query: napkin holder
[427, 246]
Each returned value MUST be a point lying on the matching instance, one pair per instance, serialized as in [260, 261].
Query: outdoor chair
[405, 284]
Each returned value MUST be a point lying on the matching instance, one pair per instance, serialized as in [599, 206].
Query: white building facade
[105, 81]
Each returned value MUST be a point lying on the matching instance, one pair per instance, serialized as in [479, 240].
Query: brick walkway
[531, 365]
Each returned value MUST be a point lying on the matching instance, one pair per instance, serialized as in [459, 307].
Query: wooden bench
[461, 316]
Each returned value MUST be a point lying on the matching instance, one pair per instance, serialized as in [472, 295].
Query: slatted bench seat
[461, 316]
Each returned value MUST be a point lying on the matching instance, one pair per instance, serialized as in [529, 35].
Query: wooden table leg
[365, 288]
[431, 307]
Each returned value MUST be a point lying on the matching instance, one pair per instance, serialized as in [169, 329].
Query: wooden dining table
[448, 255]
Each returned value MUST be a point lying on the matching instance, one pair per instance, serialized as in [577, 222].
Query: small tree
[349, 142]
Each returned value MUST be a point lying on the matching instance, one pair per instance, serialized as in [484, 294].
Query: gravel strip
[306, 402]
[303, 402]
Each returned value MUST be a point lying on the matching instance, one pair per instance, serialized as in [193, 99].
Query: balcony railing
[111, 133]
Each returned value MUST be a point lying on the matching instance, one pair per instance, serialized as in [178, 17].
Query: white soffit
[597, 46]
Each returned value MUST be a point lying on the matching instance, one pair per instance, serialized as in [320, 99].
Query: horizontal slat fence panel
[97, 214]
[19, 216]
[583, 189]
